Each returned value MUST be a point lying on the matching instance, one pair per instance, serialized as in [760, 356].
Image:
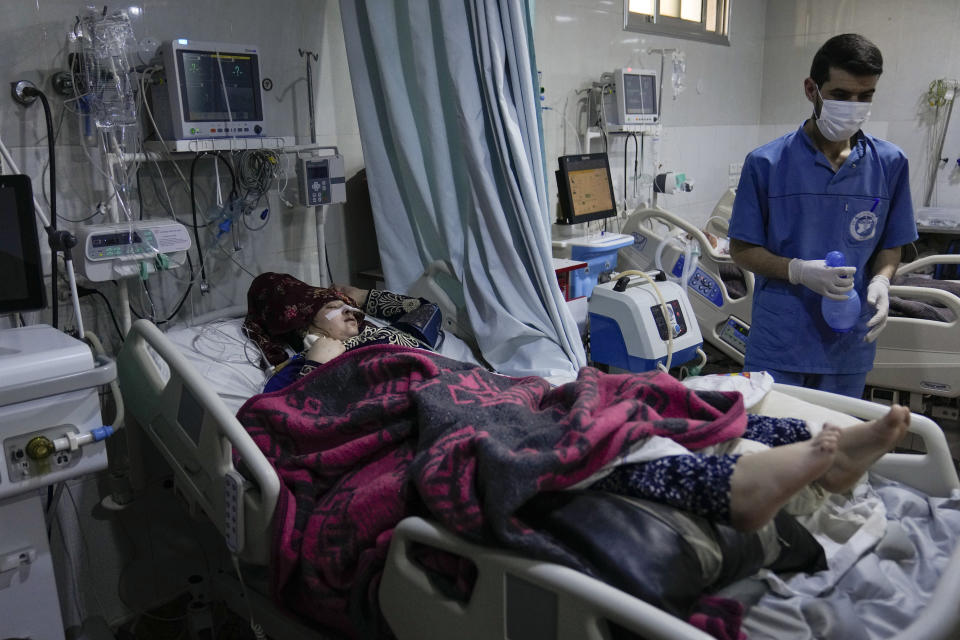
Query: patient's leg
[861, 445]
[763, 482]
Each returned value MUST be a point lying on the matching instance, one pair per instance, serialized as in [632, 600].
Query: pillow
[663, 555]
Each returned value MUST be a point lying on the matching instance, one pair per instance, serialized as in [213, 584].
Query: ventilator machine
[51, 429]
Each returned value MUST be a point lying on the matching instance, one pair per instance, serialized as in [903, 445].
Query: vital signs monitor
[636, 96]
[212, 90]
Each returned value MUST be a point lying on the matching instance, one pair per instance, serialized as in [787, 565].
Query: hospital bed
[720, 292]
[921, 355]
[170, 386]
[914, 354]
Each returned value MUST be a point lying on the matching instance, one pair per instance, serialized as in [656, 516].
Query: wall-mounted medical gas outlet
[321, 180]
[23, 461]
[733, 176]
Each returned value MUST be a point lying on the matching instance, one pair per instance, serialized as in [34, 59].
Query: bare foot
[763, 482]
[861, 445]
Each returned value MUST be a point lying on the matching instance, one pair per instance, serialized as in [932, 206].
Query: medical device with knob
[137, 248]
[51, 431]
[625, 100]
[629, 329]
[211, 90]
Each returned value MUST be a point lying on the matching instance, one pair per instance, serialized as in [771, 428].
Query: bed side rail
[932, 472]
[928, 294]
[656, 213]
[511, 594]
[927, 261]
[194, 431]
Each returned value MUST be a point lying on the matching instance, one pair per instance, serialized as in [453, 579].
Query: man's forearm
[886, 261]
[759, 260]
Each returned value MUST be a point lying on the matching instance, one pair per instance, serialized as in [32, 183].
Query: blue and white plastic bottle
[840, 315]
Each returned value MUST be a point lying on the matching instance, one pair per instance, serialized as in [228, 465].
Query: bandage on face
[333, 313]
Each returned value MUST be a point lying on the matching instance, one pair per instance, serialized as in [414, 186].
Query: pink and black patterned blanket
[384, 432]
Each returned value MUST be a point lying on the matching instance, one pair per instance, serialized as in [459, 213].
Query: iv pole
[310, 106]
[320, 214]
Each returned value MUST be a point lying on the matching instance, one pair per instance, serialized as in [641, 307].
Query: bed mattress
[222, 353]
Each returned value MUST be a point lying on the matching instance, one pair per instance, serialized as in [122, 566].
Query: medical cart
[49, 407]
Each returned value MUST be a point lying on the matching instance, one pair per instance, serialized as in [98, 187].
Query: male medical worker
[825, 187]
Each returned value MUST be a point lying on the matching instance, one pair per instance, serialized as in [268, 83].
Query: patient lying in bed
[363, 434]
[317, 324]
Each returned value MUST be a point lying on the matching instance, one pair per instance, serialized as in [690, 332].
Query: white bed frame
[921, 356]
[514, 597]
[915, 355]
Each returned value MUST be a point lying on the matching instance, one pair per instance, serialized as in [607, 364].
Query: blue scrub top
[791, 202]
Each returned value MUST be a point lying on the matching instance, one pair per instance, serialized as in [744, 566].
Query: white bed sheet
[223, 354]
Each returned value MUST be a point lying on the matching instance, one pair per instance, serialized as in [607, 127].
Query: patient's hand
[358, 295]
[325, 349]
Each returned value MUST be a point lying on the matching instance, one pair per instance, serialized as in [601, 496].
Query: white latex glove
[878, 294]
[832, 282]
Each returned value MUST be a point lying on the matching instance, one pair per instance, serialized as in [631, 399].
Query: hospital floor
[172, 621]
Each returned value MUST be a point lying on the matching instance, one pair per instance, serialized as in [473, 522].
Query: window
[703, 20]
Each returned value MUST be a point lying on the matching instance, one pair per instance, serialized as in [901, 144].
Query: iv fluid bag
[106, 44]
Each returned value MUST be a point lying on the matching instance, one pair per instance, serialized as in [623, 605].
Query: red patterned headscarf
[280, 308]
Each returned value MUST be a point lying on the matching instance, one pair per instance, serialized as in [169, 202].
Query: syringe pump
[131, 249]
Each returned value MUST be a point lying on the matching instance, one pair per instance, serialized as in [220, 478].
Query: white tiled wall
[740, 96]
[709, 125]
[735, 97]
[919, 43]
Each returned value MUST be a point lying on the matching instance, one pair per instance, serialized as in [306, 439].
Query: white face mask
[840, 119]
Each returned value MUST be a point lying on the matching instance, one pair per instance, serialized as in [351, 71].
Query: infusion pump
[320, 180]
[131, 249]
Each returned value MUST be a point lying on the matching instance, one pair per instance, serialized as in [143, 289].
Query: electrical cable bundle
[256, 172]
[193, 207]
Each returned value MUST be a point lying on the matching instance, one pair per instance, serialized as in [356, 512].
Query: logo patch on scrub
[863, 226]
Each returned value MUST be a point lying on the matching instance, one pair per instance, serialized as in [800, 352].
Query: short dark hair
[849, 51]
